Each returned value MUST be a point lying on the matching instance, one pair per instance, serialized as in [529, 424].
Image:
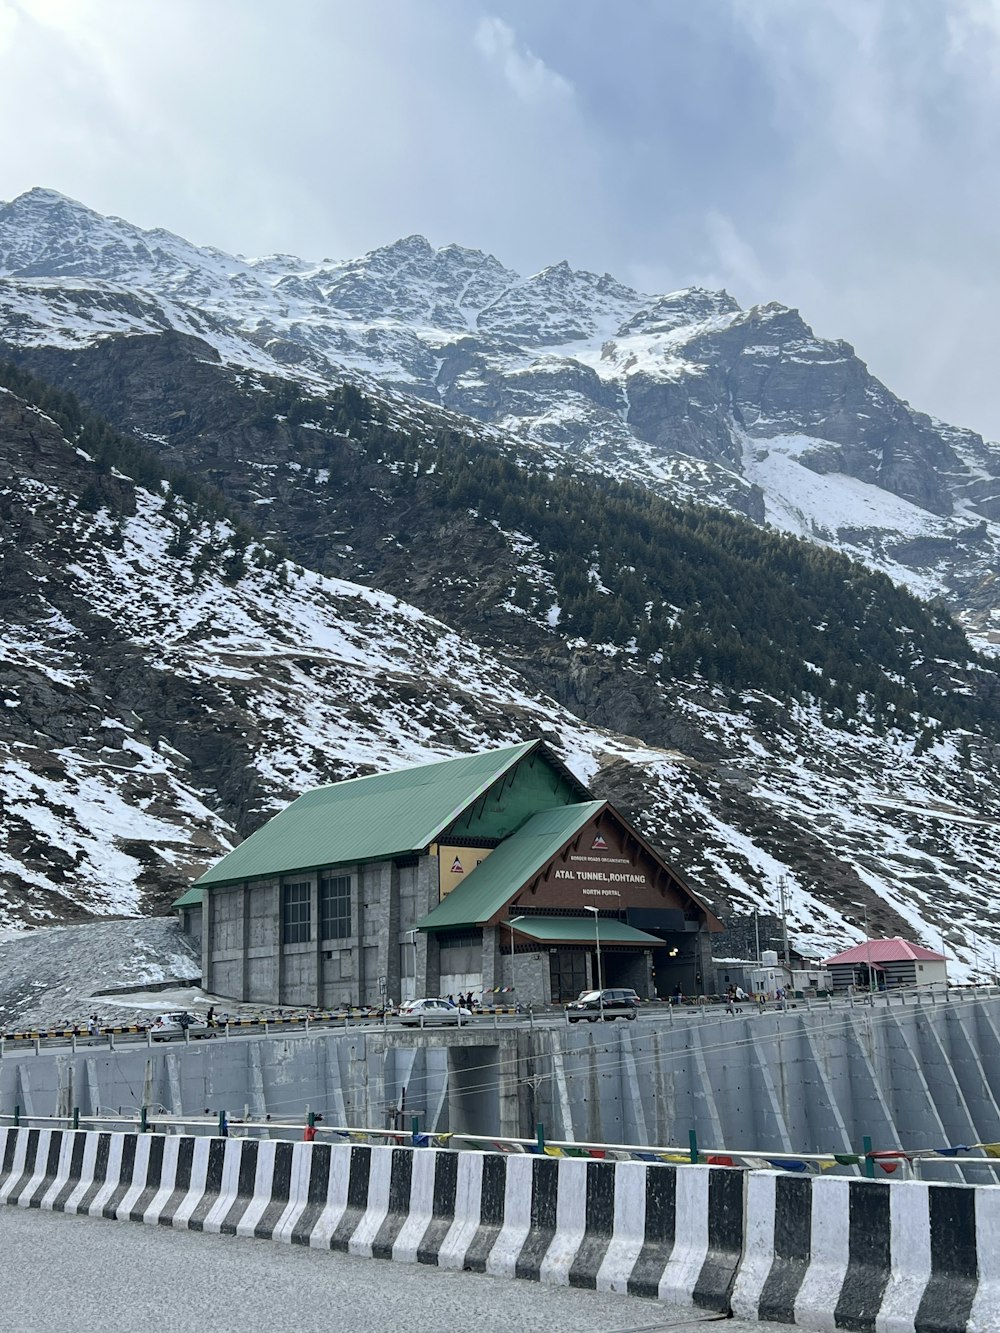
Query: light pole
[511, 923]
[868, 950]
[600, 974]
[786, 957]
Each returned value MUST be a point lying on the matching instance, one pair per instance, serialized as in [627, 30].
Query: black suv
[591, 1005]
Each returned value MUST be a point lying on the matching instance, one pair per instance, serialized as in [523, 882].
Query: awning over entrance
[580, 930]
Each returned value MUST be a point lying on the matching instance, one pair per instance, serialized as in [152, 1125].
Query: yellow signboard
[456, 863]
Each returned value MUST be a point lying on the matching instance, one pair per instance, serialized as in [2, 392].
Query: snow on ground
[49, 976]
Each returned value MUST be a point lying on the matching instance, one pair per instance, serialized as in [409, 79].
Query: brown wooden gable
[607, 864]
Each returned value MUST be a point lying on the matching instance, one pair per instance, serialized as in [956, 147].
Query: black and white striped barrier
[822, 1253]
[907, 1257]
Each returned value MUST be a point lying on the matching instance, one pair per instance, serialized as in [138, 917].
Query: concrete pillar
[245, 936]
[650, 991]
[428, 965]
[317, 942]
[207, 941]
[496, 963]
[704, 963]
[279, 961]
[531, 977]
[388, 952]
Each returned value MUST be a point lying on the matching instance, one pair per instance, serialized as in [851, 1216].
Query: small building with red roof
[886, 965]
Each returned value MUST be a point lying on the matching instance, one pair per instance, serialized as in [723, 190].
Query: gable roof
[896, 950]
[192, 898]
[371, 818]
[490, 887]
[495, 881]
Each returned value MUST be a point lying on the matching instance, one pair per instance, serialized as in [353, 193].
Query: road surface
[98, 1276]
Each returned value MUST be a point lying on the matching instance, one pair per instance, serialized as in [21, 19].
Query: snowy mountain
[169, 676]
[168, 681]
[684, 393]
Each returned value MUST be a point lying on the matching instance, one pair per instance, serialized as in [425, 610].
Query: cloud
[530, 79]
[737, 259]
[842, 156]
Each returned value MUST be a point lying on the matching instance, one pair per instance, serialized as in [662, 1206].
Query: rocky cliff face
[685, 393]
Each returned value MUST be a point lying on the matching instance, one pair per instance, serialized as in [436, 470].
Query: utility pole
[868, 950]
[600, 974]
[786, 956]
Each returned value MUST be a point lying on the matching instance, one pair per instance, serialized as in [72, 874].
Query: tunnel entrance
[474, 1089]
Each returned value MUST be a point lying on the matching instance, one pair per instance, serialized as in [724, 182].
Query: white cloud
[8, 26]
[528, 76]
[842, 156]
[736, 258]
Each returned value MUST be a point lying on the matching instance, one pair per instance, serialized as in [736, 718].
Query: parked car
[591, 1005]
[433, 1011]
[172, 1027]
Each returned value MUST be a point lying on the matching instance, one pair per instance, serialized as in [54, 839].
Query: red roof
[886, 951]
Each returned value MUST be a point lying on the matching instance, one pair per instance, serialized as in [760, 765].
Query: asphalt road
[97, 1276]
[658, 1015]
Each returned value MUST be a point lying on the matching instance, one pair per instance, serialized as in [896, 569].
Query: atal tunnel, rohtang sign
[607, 866]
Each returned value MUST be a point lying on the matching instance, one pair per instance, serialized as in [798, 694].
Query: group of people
[735, 996]
[463, 1001]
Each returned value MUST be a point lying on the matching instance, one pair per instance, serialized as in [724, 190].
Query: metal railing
[895, 1164]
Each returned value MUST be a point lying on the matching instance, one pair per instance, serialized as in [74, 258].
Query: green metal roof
[190, 899]
[369, 818]
[496, 879]
[580, 930]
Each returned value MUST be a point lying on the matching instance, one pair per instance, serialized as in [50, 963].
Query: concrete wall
[243, 956]
[803, 1081]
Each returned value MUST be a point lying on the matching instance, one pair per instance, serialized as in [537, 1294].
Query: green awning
[580, 930]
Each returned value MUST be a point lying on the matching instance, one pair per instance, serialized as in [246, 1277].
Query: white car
[172, 1027]
[433, 1011]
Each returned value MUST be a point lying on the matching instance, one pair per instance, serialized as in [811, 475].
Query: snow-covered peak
[44, 234]
[411, 281]
[561, 305]
[693, 305]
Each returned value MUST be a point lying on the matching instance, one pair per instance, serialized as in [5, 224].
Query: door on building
[568, 974]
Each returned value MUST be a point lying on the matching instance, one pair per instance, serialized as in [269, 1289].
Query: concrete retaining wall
[805, 1081]
[819, 1253]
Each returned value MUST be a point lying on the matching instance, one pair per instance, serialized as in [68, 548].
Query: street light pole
[600, 974]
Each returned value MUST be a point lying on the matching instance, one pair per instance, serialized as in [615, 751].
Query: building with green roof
[495, 872]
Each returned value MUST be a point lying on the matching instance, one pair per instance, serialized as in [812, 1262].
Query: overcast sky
[840, 156]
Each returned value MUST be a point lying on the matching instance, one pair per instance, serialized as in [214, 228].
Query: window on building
[296, 922]
[335, 907]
